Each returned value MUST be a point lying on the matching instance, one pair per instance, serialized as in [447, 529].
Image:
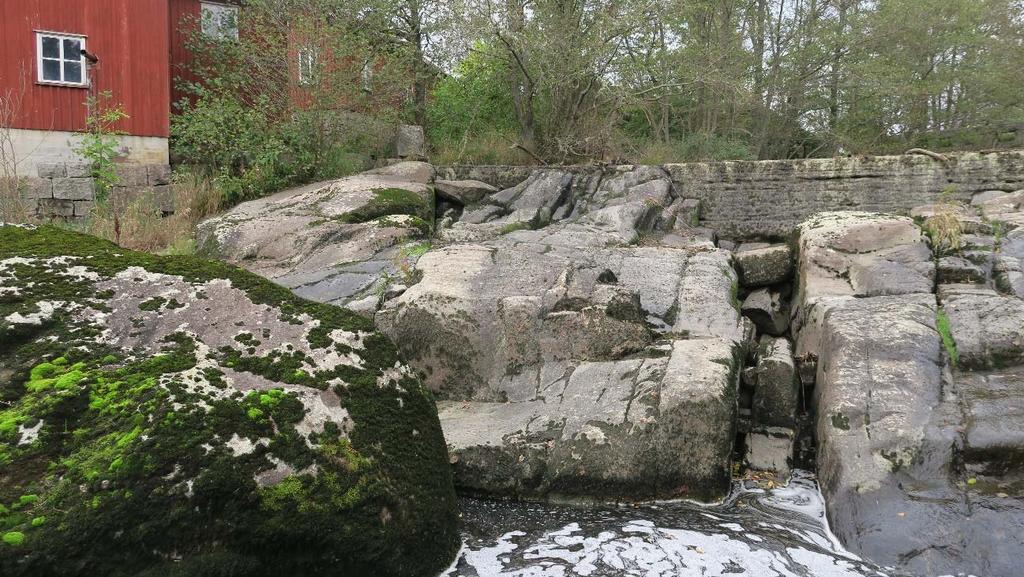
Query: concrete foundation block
[132, 174]
[37, 188]
[51, 170]
[83, 207]
[53, 207]
[158, 174]
[73, 189]
[163, 195]
[79, 170]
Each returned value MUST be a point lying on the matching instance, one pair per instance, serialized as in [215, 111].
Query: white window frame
[61, 37]
[308, 59]
[216, 30]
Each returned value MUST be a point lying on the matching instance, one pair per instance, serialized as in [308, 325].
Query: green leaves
[100, 145]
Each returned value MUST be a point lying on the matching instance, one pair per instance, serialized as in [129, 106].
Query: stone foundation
[67, 190]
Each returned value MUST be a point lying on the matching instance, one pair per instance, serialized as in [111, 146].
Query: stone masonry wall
[66, 190]
[745, 199]
[752, 199]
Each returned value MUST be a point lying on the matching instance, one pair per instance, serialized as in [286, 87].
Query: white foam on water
[785, 535]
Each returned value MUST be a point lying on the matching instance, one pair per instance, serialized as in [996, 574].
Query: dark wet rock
[894, 422]
[994, 438]
[770, 449]
[767, 309]
[777, 390]
[958, 270]
[760, 266]
[171, 415]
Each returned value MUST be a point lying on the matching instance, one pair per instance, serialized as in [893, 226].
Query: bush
[249, 150]
[470, 118]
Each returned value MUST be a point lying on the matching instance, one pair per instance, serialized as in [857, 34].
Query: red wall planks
[131, 39]
[183, 21]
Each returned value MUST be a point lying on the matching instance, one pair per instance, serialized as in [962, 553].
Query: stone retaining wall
[67, 190]
[751, 199]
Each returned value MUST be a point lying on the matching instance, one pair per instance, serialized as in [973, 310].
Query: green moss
[388, 201]
[122, 431]
[153, 304]
[420, 225]
[942, 325]
[14, 538]
[512, 227]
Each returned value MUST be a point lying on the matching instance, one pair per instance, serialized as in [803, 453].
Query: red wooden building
[57, 53]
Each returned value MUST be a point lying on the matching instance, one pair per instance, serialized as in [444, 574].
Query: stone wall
[66, 190]
[746, 199]
[751, 199]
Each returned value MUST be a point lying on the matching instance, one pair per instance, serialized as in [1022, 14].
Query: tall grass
[139, 223]
[13, 207]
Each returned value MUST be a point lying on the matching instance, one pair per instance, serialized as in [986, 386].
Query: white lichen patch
[28, 435]
[351, 339]
[269, 477]
[194, 380]
[244, 445]
[79, 272]
[45, 311]
[392, 376]
[594, 434]
[321, 407]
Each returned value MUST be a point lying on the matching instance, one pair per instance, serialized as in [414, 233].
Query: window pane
[73, 72]
[51, 47]
[229, 22]
[72, 49]
[209, 21]
[51, 70]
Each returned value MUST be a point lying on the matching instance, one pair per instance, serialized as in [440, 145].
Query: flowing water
[754, 532]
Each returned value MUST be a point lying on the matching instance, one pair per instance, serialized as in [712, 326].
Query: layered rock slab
[575, 359]
[173, 415]
[891, 417]
[341, 241]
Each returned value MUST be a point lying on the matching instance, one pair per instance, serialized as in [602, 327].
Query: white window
[308, 58]
[219, 21]
[59, 59]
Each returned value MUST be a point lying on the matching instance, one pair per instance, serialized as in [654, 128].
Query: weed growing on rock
[942, 325]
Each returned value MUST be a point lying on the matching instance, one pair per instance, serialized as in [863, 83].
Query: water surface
[754, 532]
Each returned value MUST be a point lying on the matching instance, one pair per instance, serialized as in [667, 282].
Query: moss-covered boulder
[170, 415]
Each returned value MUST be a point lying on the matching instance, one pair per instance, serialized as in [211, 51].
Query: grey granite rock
[764, 265]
